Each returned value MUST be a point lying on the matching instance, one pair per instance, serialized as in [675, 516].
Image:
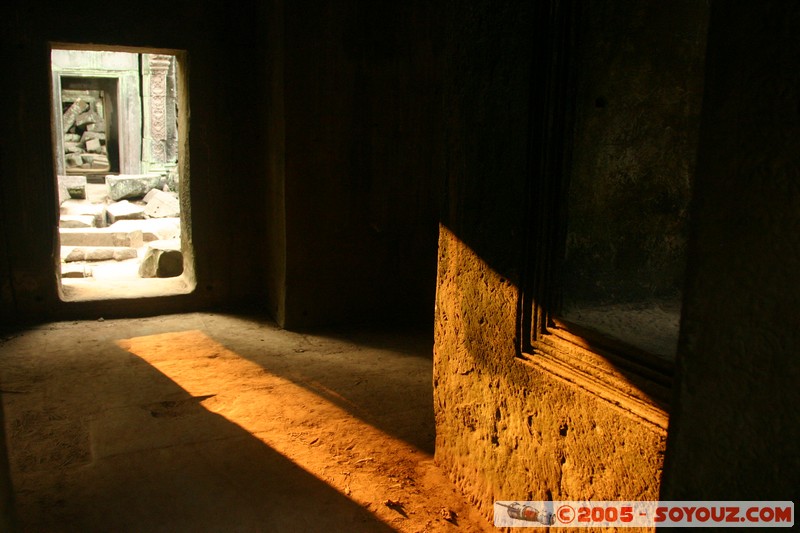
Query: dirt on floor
[211, 422]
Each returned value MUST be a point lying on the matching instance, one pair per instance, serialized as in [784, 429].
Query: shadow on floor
[380, 375]
[92, 451]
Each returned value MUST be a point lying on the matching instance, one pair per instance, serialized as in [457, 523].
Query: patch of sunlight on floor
[314, 427]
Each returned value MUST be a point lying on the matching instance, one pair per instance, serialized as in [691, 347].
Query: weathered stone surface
[63, 192]
[77, 108]
[163, 259]
[89, 135]
[99, 126]
[90, 117]
[73, 160]
[96, 161]
[163, 204]
[76, 185]
[153, 229]
[72, 138]
[123, 210]
[131, 186]
[82, 207]
[104, 253]
[101, 237]
[73, 147]
[76, 221]
[522, 417]
[93, 145]
[172, 182]
[150, 195]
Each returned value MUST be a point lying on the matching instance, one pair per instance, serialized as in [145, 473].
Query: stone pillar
[734, 425]
[155, 71]
[172, 113]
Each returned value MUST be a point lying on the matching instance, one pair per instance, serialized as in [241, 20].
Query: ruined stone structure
[381, 139]
[99, 93]
[116, 116]
[115, 75]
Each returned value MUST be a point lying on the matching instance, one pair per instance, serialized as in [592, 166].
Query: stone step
[74, 270]
[101, 237]
[72, 254]
[85, 207]
[153, 229]
[123, 210]
[76, 221]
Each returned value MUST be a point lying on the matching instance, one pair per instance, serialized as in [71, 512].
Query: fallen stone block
[153, 229]
[94, 161]
[98, 161]
[89, 135]
[104, 253]
[72, 112]
[83, 207]
[73, 160]
[162, 259]
[101, 237]
[72, 138]
[98, 126]
[150, 195]
[123, 210]
[163, 204]
[72, 148]
[76, 221]
[89, 117]
[93, 145]
[76, 185]
[131, 185]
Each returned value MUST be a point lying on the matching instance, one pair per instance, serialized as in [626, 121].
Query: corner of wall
[7, 513]
[276, 164]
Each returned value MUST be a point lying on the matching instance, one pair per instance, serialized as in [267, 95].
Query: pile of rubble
[84, 131]
[130, 219]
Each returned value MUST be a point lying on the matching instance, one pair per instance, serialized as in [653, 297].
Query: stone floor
[209, 422]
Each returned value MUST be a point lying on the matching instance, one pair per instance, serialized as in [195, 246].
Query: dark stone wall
[275, 153]
[734, 430]
[640, 73]
[7, 512]
[361, 110]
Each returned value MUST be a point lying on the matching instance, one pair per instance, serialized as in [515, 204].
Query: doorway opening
[120, 141]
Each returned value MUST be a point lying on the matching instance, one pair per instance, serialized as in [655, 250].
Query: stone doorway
[89, 129]
[119, 131]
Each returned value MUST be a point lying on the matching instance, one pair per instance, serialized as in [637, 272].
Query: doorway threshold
[92, 290]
